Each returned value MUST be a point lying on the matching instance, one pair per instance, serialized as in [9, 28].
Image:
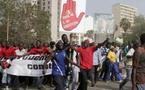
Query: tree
[7, 10]
[125, 24]
[139, 26]
[137, 29]
[22, 21]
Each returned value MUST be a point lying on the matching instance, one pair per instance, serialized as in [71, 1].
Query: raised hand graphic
[69, 19]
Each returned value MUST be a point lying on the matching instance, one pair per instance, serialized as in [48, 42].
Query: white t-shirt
[75, 61]
[21, 52]
[130, 52]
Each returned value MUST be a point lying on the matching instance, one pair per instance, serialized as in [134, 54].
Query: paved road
[109, 86]
[99, 86]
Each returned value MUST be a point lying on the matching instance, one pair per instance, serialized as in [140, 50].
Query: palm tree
[125, 24]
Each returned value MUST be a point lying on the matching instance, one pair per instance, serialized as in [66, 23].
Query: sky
[105, 6]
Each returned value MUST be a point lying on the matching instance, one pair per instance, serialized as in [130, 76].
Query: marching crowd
[75, 65]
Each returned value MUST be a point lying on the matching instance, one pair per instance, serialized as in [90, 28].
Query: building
[53, 6]
[104, 26]
[43, 4]
[33, 2]
[124, 11]
[55, 11]
[89, 23]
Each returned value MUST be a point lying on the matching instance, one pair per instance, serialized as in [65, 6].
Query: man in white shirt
[16, 79]
[97, 57]
[21, 50]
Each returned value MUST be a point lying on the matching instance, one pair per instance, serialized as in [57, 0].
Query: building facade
[124, 11]
[53, 6]
[104, 26]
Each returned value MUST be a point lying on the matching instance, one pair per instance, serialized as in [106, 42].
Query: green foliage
[125, 24]
[25, 22]
[137, 29]
[139, 26]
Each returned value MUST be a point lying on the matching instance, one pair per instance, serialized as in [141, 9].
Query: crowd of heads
[64, 41]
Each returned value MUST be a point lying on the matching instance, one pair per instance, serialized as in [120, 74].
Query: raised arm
[48, 58]
[70, 61]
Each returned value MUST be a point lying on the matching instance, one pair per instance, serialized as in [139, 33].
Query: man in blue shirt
[58, 66]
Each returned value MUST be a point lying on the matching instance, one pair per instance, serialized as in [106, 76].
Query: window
[48, 7]
[43, 8]
[43, 3]
[38, 2]
[48, 2]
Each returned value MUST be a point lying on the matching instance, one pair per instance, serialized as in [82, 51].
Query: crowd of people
[75, 65]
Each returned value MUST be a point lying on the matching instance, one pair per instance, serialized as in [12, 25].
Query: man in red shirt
[1, 57]
[37, 50]
[1, 51]
[9, 51]
[9, 54]
[86, 62]
[86, 55]
[45, 48]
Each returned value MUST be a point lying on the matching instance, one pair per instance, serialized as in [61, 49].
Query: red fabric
[9, 52]
[1, 52]
[36, 51]
[45, 50]
[86, 57]
[15, 48]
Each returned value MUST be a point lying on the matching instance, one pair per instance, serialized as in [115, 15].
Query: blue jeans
[114, 69]
[128, 77]
[140, 86]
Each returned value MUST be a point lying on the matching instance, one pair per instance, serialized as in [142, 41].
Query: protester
[9, 54]
[128, 65]
[47, 49]
[104, 49]
[138, 78]
[15, 80]
[58, 66]
[86, 63]
[52, 45]
[37, 50]
[113, 66]
[66, 44]
[97, 59]
[21, 51]
[1, 57]
[1, 51]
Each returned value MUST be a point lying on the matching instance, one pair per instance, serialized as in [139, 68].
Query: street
[100, 86]
[109, 86]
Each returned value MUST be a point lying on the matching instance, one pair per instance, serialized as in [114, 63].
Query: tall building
[45, 4]
[31, 1]
[124, 11]
[55, 13]
[53, 6]
[89, 25]
[103, 26]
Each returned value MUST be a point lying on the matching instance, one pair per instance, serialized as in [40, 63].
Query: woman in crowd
[113, 66]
